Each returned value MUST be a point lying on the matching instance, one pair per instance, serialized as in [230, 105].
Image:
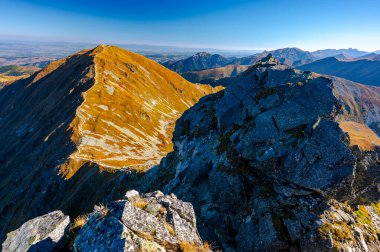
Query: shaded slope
[89, 111]
[362, 71]
[210, 75]
[198, 61]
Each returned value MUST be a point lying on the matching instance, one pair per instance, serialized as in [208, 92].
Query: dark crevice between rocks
[275, 124]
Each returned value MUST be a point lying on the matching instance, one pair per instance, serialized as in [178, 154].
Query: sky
[219, 24]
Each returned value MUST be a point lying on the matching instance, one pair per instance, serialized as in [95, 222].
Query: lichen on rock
[163, 223]
[44, 233]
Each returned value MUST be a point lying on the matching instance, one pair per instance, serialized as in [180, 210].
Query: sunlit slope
[127, 117]
[360, 135]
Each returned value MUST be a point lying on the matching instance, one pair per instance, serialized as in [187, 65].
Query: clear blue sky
[224, 24]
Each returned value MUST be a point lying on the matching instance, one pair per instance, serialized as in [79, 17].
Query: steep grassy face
[128, 115]
[104, 108]
[360, 135]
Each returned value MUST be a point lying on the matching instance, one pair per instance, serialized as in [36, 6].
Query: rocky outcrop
[261, 161]
[147, 222]
[44, 233]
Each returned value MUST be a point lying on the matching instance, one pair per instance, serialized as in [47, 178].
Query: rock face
[261, 161]
[148, 222]
[105, 108]
[44, 233]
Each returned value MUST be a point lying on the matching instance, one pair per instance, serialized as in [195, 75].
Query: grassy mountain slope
[100, 109]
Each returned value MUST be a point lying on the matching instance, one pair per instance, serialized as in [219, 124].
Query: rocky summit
[104, 109]
[267, 166]
[280, 160]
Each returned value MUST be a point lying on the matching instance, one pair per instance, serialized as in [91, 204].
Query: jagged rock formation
[44, 233]
[267, 167]
[104, 108]
[148, 222]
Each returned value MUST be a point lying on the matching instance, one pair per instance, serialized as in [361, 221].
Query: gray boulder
[44, 233]
[147, 222]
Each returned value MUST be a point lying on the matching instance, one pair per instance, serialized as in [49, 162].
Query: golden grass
[162, 210]
[140, 203]
[186, 246]
[9, 79]
[128, 115]
[170, 228]
[79, 222]
[360, 135]
[102, 209]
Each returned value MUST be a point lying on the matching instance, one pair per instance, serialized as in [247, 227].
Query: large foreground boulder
[44, 233]
[149, 222]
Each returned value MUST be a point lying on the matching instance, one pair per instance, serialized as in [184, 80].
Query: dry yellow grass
[79, 222]
[186, 246]
[9, 79]
[360, 135]
[140, 203]
[127, 117]
[102, 210]
[170, 228]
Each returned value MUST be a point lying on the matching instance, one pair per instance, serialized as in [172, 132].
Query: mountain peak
[202, 54]
[268, 60]
[102, 109]
[130, 110]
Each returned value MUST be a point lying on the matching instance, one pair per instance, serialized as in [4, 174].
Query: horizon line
[176, 46]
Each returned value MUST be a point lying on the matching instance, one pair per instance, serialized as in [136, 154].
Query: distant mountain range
[354, 53]
[363, 70]
[207, 68]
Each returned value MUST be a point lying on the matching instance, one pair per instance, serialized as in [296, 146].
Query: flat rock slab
[44, 233]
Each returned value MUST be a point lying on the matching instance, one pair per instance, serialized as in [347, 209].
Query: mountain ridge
[89, 112]
[362, 70]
